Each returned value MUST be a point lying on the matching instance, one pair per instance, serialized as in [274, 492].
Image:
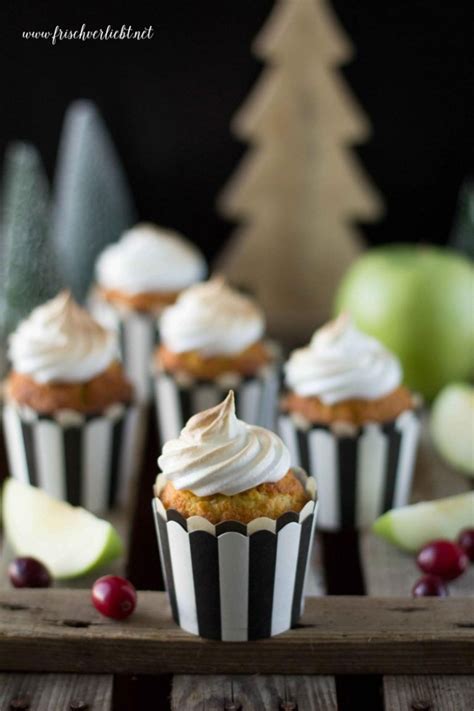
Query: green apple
[410, 527]
[452, 426]
[69, 541]
[418, 300]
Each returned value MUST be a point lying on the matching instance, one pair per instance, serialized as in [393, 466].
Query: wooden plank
[214, 693]
[429, 693]
[59, 630]
[50, 692]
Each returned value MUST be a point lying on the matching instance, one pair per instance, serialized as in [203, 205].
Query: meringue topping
[342, 363]
[213, 319]
[216, 453]
[61, 342]
[149, 258]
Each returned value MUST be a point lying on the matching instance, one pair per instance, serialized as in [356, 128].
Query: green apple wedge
[68, 540]
[410, 527]
[452, 426]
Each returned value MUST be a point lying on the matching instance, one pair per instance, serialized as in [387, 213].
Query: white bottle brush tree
[299, 191]
[92, 201]
[28, 269]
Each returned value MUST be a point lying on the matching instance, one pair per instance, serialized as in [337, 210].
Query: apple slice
[410, 527]
[452, 426]
[69, 541]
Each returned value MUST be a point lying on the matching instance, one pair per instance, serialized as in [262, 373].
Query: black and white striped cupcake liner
[360, 472]
[138, 337]
[89, 461]
[236, 582]
[179, 397]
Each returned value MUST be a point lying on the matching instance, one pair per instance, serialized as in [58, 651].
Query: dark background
[168, 101]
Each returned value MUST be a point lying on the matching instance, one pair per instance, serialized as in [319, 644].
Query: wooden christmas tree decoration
[299, 191]
[93, 205]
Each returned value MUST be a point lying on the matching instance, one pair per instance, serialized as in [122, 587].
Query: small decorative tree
[28, 269]
[92, 202]
[299, 191]
[462, 236]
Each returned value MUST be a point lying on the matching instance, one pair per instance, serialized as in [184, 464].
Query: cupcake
[135, 279]
[235, 525]
[69, 421]
[348, 420]
[212, 339]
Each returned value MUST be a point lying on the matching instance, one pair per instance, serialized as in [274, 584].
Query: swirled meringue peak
[213, 319]
[61, 342]
[342, 363]
[216, 453]
[149, 258]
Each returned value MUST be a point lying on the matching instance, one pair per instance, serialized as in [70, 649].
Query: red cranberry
[28, 573]
[429, 586]
[114, 596]
[466, 541]
[443, 558]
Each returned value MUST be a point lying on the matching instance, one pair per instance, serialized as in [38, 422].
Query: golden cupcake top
[216, 453]
[61, 342]
[342, 363]
[212, 318]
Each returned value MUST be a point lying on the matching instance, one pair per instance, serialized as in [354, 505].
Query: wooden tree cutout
[299, 190]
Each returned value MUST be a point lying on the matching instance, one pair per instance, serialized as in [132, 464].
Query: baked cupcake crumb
[95, 395]
[354, 411]
[200, 366]
[271, 500]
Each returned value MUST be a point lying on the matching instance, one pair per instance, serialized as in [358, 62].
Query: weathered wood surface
[55, 692]
[59, 630]
[214, 693]
[429, 693]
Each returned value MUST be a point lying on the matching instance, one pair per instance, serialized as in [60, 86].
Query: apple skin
[418, 301]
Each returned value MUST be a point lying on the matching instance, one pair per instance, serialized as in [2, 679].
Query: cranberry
[429, 586]
[28, 573]
[466, 541]
[114, 596]
[443, 558]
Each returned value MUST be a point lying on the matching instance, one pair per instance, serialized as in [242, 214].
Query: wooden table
[371, 647]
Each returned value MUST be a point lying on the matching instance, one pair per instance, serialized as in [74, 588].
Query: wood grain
[51, 692]
[59, 630]
[429, 693]
[214, 693]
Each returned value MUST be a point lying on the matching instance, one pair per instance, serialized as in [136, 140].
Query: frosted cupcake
[69, 419]
[235, 524]
[210, 340]
[349, 421]
[135, 279]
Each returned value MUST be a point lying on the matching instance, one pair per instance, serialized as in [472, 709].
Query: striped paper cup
[179, 397]
[137, 335]
[87, 460]
[360, 472]
[234, 581]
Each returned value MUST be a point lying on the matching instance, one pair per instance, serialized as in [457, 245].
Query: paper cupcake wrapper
[359, 473]
[177, 400]
[236, 582]
[88, 461]
[137, 336]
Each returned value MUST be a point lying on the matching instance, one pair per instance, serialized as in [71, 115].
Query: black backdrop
[168, 101]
